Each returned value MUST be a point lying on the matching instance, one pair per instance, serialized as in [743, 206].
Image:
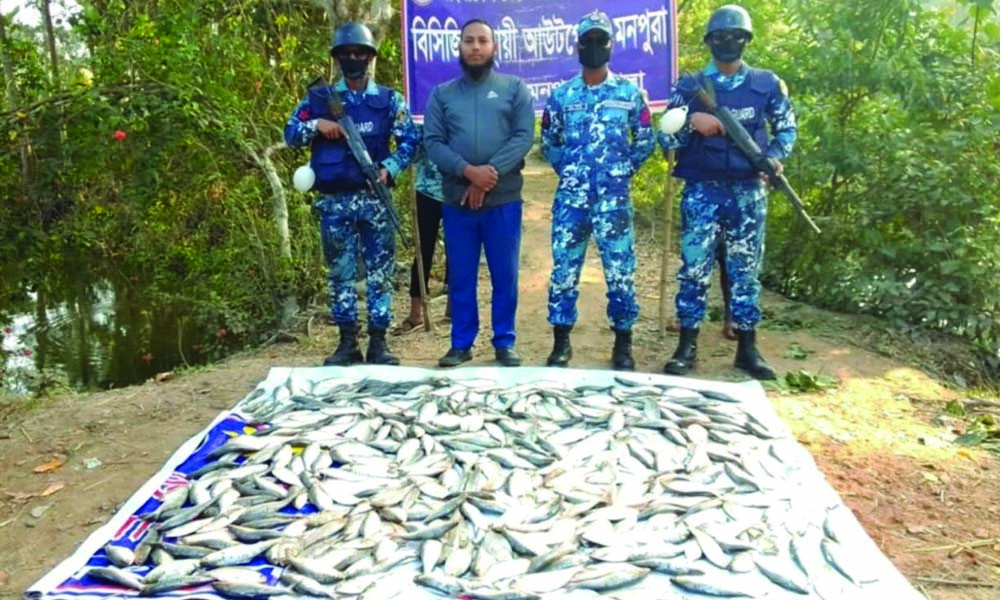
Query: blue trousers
[344, 221]
[467, 233]
[736, 212]
[572, 229]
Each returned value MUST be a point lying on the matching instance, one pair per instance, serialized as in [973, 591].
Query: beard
[476, 72]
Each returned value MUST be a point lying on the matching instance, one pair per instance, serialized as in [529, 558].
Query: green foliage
[801, 382]
[797, 352]
[141, 184]
[897, 157]
[983, 431]
[955, 408]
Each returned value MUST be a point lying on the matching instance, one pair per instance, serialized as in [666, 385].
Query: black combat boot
[621, 354]
[378, 353]
[347, 352]
[747, 357]
[561, 350]
[686, 353]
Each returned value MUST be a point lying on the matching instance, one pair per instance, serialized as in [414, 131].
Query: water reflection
[18, 368]
[103, 338]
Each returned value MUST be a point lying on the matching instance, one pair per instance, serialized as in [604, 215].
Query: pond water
[99, 341]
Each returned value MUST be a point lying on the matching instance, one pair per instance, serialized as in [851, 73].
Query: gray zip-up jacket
[469, 122]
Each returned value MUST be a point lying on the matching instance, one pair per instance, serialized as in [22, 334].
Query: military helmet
[353, 34]
[730, 16]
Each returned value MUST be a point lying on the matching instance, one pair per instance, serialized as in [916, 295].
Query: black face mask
[353, 68]
[476, 72]
[594, 55]
[727, 49]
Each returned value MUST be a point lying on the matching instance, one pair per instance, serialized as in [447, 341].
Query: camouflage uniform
[349, 220]
[428, 180]
[596, 138]
[733, 208]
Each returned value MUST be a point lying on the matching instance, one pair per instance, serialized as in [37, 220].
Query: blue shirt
[596, 137]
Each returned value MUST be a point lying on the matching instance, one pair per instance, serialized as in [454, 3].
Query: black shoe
[621, 354]
[378, 353]
[455, 357]
[561, 350]
[347, 352]
[748, 359]
[685, 355]
[508, 357]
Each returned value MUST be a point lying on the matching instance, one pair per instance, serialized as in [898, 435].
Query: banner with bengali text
[536, 40]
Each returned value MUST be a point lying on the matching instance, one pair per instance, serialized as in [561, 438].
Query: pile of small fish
[474, 490]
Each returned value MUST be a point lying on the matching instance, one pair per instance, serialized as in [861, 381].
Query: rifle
[360, 153]
[739, 135]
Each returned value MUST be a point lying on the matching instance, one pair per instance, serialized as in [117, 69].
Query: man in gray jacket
[478, 129]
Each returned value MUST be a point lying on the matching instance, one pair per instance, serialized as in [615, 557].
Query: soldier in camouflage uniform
[596, 133]
[724, 195]
[350, 214]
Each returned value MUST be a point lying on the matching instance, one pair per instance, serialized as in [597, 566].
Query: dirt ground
[933, 507]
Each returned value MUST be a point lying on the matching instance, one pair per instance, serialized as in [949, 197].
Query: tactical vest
[336, 168]
[717, 157]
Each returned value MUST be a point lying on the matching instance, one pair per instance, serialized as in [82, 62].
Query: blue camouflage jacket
[596, 138]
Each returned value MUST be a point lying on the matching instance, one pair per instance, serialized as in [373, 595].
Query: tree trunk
[376, 14]
[279, 204]
[24, 144]
[50, 40]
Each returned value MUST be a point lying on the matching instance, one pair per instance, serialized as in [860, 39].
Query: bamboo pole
[667, 243]
[418, 257]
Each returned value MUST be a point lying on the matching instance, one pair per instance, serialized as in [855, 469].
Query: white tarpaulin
[806, 499]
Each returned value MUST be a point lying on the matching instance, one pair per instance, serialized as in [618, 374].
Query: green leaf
[797, 352]
[955, 408]
[972, 439]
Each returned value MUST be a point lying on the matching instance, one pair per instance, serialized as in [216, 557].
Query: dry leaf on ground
[50, 466]
[53, 488]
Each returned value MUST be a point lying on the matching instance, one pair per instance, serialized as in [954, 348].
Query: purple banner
[536, 40]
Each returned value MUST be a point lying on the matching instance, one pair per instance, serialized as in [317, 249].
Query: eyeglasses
[354, 52]
[595, 38]
[732, 35]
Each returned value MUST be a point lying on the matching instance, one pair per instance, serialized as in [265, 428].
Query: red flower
[120, 135]
[8, 330]
[222, 332]
[304, 114]
[26, 352]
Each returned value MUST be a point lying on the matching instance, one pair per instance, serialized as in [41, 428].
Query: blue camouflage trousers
[347, 222]
[612, 231]
[735, 210]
